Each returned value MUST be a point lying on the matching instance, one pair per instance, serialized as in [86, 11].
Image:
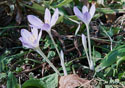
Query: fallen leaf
[85, 2]
[110, 18]
[76, 46]
[5, 17]
[73, 81]
[19, 13]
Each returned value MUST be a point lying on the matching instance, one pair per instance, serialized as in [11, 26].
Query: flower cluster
[31, 39]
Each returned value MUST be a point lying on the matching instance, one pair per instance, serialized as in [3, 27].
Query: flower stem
[54, 43]
[87, 56]
[63, 66]
[38, 50]
[89, 45]
[62, 62]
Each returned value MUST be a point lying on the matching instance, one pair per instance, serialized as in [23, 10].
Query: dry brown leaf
[18, 13]
[76, 46]
[5, 14]
[85, 2]
[110, 18]
[72, 81]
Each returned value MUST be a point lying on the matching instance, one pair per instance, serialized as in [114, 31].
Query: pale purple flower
[30, 39]
[49, 20]
[86, 15]
[84, 42]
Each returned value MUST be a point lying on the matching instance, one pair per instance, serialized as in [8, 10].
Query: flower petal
[84, 9]
[46, 27]
[47, 16]
[92, 10]
[34, 32]
[25, 33]
[78, 13]
[25, 43]
[86, 18]
[21, 39]
[55, 17]
[39, 36]
[27, 37]
[33, 20]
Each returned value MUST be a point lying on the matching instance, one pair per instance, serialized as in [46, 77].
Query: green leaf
[51, 81]
[51, 54]
[110, 11]
[121, 75]
[37, 7]
[97, 55]
[48, 43]
[73, 17]
[108, 72]
[3, 75]
[34, 83]
[11, 81]
[15, 56]
[111, 58]
[122, 59]
[63, 3]
[3, 65]
[5, 60]
[60, 19]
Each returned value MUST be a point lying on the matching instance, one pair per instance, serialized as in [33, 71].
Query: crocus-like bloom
[85, 15]
[48, 20]
[84, 41]
[30, 39]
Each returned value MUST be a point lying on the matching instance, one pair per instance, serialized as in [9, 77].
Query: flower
[85, 15]
[48, 20]
[84, 41]
[30, 39]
